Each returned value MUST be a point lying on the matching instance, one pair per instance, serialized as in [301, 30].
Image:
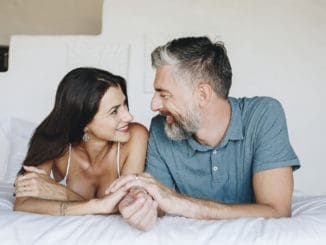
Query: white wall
[276, 48]
[61, 17]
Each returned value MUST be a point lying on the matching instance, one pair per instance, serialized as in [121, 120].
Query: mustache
[165, 113]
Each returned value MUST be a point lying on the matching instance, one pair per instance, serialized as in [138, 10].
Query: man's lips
[168, 116]
[169, 119]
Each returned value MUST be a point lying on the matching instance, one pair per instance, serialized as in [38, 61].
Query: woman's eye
[114, 112]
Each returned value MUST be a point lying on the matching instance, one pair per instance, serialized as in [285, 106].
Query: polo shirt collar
[234, 131]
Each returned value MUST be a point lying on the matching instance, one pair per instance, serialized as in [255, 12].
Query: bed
[37, 63]
[306, 226]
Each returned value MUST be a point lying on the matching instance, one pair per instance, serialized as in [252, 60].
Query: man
[209, 156]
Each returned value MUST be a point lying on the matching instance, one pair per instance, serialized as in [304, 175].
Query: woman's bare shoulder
[138, 135]
[137, 130]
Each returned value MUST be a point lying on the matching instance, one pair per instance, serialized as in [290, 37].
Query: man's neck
[214, 123]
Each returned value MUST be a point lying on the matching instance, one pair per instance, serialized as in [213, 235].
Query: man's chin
[174, 133]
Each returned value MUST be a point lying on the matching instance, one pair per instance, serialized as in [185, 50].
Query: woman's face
[111, 121]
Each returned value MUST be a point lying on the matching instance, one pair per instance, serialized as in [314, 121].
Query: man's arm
[273, 190]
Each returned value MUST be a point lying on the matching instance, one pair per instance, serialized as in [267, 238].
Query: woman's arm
[37, 192]
[36, 182]
[105, 205]
[136, 147]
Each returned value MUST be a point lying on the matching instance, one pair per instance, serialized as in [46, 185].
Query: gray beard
[183, 128]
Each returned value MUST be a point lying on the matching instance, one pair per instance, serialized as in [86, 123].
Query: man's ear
[204, 93]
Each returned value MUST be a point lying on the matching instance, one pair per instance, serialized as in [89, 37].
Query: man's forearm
[205, 209]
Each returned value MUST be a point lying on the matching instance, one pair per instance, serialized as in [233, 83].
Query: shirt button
[214, 152]
[215, 168]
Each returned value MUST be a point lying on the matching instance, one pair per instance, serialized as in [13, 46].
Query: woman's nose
[127, 117]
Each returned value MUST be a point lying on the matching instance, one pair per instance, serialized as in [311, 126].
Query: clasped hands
[145, 196]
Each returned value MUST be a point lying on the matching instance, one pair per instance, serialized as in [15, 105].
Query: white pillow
[4, 148]
[20, 132]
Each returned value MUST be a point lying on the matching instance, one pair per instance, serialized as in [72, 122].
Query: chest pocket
[220, 179]
[222, 189]
[224, 179]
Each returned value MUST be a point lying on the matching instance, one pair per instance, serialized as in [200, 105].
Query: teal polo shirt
[256, 140]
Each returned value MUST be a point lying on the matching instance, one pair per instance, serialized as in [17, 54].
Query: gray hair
[196, 60]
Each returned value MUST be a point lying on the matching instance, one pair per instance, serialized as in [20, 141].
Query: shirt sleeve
[155, 163]
[272, 145]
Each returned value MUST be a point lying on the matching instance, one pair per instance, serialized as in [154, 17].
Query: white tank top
[64, 180]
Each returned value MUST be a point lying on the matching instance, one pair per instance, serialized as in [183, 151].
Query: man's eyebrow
[162, 90]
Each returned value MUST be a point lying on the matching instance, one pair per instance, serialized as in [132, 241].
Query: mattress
[306, 226]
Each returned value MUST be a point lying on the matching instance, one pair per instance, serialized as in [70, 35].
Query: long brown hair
[77, 101]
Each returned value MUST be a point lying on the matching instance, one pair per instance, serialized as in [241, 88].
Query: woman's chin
[123, 138]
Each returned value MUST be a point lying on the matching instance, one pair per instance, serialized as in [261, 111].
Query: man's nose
[156, 103]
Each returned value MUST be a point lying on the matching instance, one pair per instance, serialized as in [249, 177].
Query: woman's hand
[109, 203]
[37, 183]
[165, 197]
[139, 209]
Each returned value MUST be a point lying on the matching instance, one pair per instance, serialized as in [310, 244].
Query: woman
[81, 147]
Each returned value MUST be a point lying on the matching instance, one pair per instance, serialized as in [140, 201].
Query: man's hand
[139, 209]
[165, 197]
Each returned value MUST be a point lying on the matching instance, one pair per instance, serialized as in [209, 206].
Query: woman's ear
[204, 93]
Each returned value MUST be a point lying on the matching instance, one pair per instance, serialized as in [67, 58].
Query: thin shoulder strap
[69, 160]
[118, 159]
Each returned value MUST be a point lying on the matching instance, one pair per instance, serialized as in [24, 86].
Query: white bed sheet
[307, 226]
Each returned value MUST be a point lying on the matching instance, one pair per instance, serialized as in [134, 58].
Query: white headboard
[277, 48]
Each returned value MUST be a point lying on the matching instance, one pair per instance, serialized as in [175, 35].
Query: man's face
[175, 100]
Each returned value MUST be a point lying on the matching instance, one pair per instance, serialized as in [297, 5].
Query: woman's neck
[96, 151]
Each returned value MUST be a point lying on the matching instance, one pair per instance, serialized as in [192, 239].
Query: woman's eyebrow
[114, 107]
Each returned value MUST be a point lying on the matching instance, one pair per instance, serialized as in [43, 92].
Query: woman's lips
[124, 129]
